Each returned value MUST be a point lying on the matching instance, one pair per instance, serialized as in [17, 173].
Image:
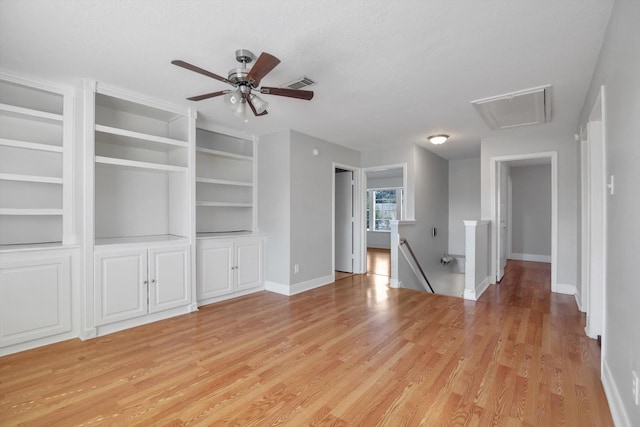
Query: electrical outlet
[636, 388]
[296, 268]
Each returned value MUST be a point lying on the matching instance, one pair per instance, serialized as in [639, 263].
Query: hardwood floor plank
[352, 353]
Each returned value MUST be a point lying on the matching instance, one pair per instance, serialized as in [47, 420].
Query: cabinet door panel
[249, 264]
[214, 264]
[121, 288]
[168, 278]
[35, 299]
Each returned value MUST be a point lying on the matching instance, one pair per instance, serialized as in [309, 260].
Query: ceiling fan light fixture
[438, 139]
[260, 104]
[234, 97]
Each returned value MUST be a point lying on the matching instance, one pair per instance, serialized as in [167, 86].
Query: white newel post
[395, 242]
[477, 250]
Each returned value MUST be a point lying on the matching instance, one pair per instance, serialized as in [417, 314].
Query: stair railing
[404, 242]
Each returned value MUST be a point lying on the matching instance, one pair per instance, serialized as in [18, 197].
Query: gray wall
[531, 210]
[295, 204]
[312, 204]
[536, 140]
[618, 69]
[274, 202]
[464, 200]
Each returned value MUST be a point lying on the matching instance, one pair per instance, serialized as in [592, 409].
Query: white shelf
[223, 154]
[224, 234]
[30, 178]
[141, 136]
[137, 164]
[31, 212]
[32, 113]
[140, 239]
[30, 145]
[224, 204]
[224, 182]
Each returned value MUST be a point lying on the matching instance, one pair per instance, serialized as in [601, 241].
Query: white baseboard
[480, 288]
[474, 294]
[565, 288]
[618, 413]
[579, 301]
[276, 287]
[394, 283]
[298, 287]
[530, 257]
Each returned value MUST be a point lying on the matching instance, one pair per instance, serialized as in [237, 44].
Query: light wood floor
[354, 354]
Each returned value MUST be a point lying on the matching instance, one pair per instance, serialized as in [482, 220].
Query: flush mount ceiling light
[438, 139]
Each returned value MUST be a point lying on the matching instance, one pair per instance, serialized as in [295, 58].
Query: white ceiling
[389, 73]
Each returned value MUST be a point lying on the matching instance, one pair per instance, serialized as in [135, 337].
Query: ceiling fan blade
[191, 67]
[291, 93]
[253, 108]
[208, 95]
[265, 63]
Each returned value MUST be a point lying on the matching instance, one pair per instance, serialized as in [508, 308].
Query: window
[383, 205]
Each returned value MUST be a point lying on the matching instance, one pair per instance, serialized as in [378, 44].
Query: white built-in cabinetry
[141, 181]
[229, 256]
[224, 183]
[136, 281]
[38, 243]
[229, 266]
[35, 164]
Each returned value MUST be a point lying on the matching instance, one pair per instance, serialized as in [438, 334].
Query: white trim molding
[618, 413]
[297, 288]
[565, 288]
[530, 257]
[494, 162]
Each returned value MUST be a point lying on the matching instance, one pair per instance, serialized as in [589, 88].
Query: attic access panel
[521, 108]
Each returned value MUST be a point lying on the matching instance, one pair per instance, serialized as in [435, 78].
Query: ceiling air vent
[521, 108]
[300, 83]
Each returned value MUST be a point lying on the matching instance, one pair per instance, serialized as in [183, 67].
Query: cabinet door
[120, 285]
[169, 278]
[35, 299]
[248, 263]
[215, 273]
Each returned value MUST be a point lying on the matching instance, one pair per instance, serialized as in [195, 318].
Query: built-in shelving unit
[224, 183]
[140, 191]
[35, 168]
[142, 156]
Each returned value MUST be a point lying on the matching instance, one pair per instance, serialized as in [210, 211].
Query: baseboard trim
[579, 301]
[530, 257]
[298, 287]
[276, 287]
[618, 413]
[474, 294]
[565, 288]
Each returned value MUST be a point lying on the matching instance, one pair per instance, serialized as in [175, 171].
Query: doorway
[501, 234]
[348, 246]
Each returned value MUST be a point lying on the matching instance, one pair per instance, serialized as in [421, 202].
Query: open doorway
[502, 213]
[384, 202]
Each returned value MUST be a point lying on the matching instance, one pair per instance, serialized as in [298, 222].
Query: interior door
[344, 221]
[502, 219]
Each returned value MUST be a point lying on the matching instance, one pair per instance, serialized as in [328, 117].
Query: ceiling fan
[244, 81]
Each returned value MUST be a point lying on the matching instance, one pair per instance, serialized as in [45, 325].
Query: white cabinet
[35, 297]
[140, 204]
[36, 193]
[224, 183]
[135, 282]
[229, 266]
